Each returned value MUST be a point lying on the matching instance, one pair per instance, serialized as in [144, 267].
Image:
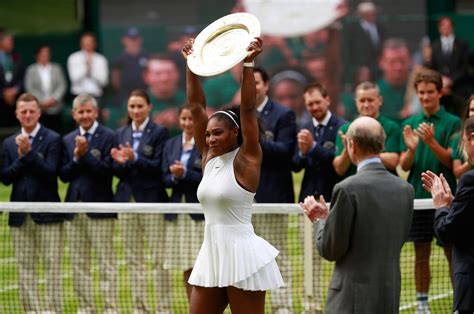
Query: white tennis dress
[231, 254]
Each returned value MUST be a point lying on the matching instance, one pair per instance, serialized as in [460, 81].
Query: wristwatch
[249, 64]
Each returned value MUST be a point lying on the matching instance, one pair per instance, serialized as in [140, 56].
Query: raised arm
[249, 159]
[197, 102]
[248, 113]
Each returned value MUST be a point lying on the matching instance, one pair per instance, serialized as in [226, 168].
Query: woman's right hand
[187, 48]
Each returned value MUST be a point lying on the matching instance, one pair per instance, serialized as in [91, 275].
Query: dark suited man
[315, 153]
[30, 164]
[364, 232]
[137, 163]
[454, 223]
[450, 57]
[276, 182]
[87, 167]
[365, 40]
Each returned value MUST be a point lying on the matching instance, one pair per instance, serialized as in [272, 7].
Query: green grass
[10, 303]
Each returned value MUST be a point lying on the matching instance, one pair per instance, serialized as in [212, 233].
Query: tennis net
[140, 260]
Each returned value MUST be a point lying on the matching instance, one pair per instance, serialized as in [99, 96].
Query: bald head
[368, 135]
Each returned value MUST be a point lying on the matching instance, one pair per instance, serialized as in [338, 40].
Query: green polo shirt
[446, 125]
[176, 101]
[393, 100]
[220, 90]
[456, 152]
[392, 141]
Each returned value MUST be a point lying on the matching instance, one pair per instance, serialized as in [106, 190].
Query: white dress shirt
[84, 82]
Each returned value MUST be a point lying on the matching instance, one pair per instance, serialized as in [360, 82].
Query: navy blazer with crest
[188, 185]
[90, 177]
[278, 144]
[142, 178]
[34, 176]
[319, 176]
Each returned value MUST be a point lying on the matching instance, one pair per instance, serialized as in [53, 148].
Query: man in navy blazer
[87, 166]
[276, 181]
[30, 164]
[137, 162]
[316, 145]
[314, 153]
[454, 223]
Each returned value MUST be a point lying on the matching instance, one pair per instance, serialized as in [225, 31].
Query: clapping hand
[426, 132]
[81, 146]
[24, 145]
[305, 141]
[439, 189]
[177, 169]
[313, 209]
[411, 138]
[122, 154]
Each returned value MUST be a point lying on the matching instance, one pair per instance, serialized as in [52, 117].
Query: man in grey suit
[365, 228]
[46, 81]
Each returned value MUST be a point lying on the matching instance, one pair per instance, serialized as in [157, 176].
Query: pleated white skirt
[233, 255]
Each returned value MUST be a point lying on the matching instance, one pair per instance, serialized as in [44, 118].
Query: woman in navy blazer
[137, 163]
[182, 168]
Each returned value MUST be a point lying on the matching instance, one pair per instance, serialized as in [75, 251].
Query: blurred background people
[127, 70]
[450, 57]
[12, 74]
[46, 81]
[162, 80]
[395, 63]
[88, 70]
[286, 88]
[365, 39]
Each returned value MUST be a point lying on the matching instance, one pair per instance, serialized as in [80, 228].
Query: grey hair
[83, 99]
[369, 140]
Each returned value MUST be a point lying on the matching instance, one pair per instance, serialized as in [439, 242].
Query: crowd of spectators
[305, 106]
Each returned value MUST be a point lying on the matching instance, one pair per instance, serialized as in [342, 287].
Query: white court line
[431, 298]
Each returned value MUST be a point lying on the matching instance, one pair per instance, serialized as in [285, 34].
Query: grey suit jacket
[368, 223]
[57, 86]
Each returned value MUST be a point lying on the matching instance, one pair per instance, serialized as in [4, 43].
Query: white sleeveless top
[231, 254]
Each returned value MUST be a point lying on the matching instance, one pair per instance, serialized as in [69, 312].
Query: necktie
[88, 137]
[318, 132]
[136, 137]
[30, 139]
